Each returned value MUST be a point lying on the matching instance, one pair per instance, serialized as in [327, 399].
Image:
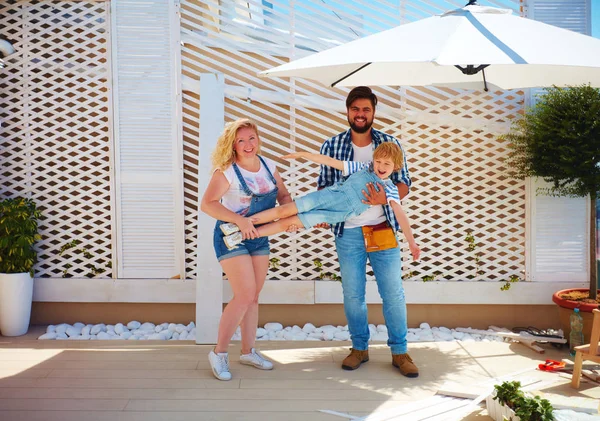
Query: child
[336, 203]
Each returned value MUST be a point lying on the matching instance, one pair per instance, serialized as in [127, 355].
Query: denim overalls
[335, 204]
[258, 203]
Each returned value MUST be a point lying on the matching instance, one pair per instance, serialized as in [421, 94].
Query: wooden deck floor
[155, 380]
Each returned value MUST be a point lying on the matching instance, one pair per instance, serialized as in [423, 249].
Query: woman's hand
[414, 250]
[292, 229]
[247, 228]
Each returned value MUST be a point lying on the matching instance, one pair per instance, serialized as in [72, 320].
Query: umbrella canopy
[469, 48]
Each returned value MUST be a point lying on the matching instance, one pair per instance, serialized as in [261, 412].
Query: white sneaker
[232, 241]
[220, 365]
[256, 360]
[229, 228]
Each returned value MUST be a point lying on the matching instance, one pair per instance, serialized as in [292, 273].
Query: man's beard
[362, 129]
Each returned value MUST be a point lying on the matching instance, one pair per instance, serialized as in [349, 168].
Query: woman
[243, 183]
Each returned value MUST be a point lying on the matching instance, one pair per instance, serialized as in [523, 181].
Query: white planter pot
[499, 412]
[16, 294]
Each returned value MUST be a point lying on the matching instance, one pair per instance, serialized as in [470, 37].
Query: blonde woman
[243, 183]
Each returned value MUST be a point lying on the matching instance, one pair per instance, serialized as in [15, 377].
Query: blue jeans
[387, 267]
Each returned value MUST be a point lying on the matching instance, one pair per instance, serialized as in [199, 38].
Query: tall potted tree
[559, 140]
[18, 234]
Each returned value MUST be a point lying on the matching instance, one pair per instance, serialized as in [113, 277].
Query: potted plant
[18, 234]
[509, 402]
[558, 140]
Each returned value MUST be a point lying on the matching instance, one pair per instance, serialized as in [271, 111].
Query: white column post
[209, 284]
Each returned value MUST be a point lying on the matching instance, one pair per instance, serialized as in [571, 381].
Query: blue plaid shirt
[340, 147]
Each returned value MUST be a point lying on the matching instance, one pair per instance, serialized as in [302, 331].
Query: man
[357, 144]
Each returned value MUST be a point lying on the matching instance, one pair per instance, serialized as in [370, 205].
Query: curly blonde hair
[224, 154]
[390, 151]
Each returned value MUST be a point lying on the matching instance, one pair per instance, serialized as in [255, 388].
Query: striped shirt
[391, 191]
[340, 147]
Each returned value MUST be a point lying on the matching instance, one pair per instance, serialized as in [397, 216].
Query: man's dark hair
[361, 92]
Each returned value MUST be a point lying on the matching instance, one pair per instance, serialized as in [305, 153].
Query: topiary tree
[559, 140]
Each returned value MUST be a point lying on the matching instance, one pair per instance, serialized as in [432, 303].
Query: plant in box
[509, 402]
[18, 234]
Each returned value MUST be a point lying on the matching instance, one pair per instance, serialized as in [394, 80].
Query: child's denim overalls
[258, 203]
[336, 203]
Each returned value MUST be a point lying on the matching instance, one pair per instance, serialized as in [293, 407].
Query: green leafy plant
[511, 280]
[472, 248]
[559, 140]
[325, 275]
[429, 278]
[508, 393]
[525, 407]
[73, 248]
[18, 234]
[534, 409]
[274, 263]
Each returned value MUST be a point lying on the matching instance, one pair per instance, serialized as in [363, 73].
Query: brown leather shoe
[355, 359]
[405, 365]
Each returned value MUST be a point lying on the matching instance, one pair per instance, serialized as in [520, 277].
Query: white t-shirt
[373, 215]
[235, 199]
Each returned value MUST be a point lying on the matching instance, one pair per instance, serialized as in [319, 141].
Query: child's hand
[415, 251]
[247, 228]
[295, 155]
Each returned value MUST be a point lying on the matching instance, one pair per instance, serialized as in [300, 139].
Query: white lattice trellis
[450, 136]
[55, 144]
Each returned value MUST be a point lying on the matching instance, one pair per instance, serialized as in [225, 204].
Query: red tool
[552, 365]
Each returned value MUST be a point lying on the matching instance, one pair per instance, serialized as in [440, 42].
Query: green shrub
[18, 234]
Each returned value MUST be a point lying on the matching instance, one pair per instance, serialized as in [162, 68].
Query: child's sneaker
[229, 228]
[256, 360]
[220, 365]
[231, 241]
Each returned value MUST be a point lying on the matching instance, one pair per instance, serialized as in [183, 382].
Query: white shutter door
[148, 146]
[559, 229]
[560, 232]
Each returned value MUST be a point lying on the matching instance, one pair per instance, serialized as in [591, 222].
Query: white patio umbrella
[470, 48]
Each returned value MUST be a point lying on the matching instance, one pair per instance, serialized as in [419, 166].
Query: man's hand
[322, 225]
[296, 155]
[374, 196]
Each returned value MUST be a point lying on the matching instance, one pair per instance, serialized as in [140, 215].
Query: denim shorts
[255, 247]
[330, 205]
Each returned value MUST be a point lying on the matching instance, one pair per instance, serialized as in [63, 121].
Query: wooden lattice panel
[55, 144]
[443, 131]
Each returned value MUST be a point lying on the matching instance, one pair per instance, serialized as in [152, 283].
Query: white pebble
[49, 335]
[98, 328]
[425, 326]
[273, 326]
[147, 327]
[119, 328]
[73, 331]
[51, 329]
[133, 325]
[260, 332]
[308, 328]
[342, 335]
[62, 328]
